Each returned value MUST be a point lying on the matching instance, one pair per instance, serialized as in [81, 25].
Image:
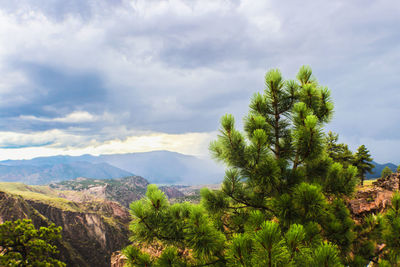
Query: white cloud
[74, 117]
[187, 143]
[56, 142]
[177, 66]
[37, 139]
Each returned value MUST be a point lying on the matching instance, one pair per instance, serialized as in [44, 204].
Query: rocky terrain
[123, 190]
[94, 216]
[92, 229]
[92, 212]
[374, 198]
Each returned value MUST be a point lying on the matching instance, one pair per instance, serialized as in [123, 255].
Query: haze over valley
[160, 167]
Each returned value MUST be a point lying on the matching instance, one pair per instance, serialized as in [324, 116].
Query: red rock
[375, 199]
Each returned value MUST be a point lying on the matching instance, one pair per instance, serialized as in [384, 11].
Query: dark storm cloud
[51, 94]
[54, 92]
[177, 66]
[67, 91]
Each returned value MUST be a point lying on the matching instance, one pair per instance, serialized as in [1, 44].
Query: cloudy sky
[116, 76]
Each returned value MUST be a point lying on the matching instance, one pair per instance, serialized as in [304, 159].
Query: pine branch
[249, 205]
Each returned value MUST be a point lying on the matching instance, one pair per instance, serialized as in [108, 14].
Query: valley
[93, 213]
[91, 228]
[159, 167]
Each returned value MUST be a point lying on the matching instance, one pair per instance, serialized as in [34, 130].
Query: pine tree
[367, 240]
[280, 200]
[386, 172]
[391, 234]
[23, 245]
[363, 163]
[338, 152]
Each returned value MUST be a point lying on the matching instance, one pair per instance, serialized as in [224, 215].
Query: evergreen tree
[386, 172]
[280, 200]
[23, 245]
[391, 234]
[338, 152]
[362, 161]
[367, 240]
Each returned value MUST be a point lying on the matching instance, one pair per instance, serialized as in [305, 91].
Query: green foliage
[391, 232]
[240, 250]
[339, 226]
[280, 202]
[41, 193]
[326, 255]
[23, 245]
[368, 236]
[338, 152]
[271, 250]
[135, 257]
[378, 238]
[178, 226]
[362, 161]
[386, 172]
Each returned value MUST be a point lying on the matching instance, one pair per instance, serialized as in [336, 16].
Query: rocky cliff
[374, 198]
[123, 190]
[92, 230]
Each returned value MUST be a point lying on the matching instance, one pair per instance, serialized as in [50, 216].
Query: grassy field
[43, 194]
[367, 184]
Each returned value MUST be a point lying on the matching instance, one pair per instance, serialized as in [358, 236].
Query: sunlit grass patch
[40, 193]
[367, 184]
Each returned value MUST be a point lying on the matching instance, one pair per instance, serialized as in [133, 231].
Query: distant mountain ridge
[35, 174]
[376, 172]
[161, 167]
[165, 167]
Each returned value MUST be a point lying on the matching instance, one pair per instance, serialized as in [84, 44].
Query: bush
[23, 245]
[386, 172]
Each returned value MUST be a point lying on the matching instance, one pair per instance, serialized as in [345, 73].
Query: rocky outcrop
[123, 190]
[391, 183]
[117, 259]
[371, 200]
[91, 230]
[376, 198]
[171, 192]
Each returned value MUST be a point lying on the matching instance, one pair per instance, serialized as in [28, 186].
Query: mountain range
[48, 172]
[160, 167]
[376, 172]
